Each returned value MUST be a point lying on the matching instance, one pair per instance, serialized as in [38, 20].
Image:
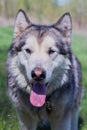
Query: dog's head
[41, 53]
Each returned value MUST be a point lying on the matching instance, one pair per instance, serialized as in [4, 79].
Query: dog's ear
[21, 23]
[64, 24]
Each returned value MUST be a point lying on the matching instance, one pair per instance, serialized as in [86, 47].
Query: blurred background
[45, 12]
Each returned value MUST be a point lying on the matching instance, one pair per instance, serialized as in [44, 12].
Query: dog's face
[42, 51]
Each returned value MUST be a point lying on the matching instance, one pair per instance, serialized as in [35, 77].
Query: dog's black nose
[38, 74]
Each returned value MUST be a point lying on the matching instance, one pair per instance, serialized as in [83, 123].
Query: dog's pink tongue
[38, 95]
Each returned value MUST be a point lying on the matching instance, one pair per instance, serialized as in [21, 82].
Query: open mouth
[38, 94]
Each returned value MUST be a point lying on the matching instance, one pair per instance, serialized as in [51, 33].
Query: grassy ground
[8, 119]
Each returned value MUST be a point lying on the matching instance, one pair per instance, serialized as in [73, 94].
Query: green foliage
[8, 119]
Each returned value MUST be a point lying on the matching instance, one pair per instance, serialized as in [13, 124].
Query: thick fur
[47, 47]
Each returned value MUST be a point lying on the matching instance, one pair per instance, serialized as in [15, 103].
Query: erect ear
[64, 24]
[21, 23]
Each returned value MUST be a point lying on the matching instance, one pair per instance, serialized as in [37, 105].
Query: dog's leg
[22, 126]
[26, 123]
[75, 115]
[63, 124]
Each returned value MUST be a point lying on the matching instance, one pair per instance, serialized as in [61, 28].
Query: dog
[43, 75]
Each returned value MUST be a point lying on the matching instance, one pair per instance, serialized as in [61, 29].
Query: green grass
[8, 118]
[79, 47]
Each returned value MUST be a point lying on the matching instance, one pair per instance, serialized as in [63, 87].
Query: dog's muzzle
[38, 90]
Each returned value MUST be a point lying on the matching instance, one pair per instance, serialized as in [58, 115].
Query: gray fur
[64, 88]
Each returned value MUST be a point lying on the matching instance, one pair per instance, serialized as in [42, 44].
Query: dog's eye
[51, 51]
[28, 51]
[63, 52]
